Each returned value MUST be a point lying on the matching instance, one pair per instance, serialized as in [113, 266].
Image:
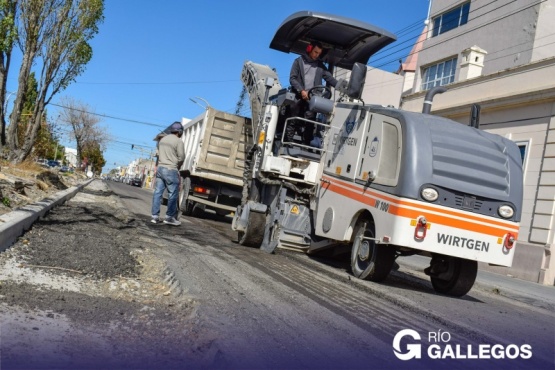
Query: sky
[151, 57]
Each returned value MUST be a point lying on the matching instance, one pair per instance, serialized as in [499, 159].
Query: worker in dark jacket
[307, 72]
[171, 154]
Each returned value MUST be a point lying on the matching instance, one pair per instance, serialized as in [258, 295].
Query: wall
[513, 23]
[381, 87]
[544, 43]
[517, 103]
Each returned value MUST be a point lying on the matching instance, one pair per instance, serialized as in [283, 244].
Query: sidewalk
[512, 288]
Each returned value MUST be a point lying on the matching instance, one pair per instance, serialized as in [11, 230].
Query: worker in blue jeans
[171, 155]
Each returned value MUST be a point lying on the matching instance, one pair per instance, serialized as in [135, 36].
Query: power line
[111, 117]
[395, 45]
[465, 32]
[156, 83]
[111, 144]
[392, 83]
[517, 120]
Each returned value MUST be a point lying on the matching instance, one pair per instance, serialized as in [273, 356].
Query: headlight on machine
[430, 194]
[506, 211]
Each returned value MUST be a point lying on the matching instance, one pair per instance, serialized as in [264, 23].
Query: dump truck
[385, 183]
[215, 145]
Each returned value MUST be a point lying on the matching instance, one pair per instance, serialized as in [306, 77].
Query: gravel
[82, 289]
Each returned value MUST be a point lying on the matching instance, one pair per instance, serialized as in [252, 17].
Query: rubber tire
[198, 210]
[185, 205]
[254, 233]
[381, 257]
[462, 279]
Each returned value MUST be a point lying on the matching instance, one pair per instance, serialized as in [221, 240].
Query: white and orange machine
[384, 183]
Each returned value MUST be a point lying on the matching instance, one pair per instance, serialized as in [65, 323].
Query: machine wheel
[185, 205]
[451, 275]
[370, 261]
[271, 236]
[254, 232]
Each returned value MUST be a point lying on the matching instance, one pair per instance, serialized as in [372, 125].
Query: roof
[346, 41]
[410, 63]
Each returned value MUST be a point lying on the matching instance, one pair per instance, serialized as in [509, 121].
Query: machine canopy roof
[346, 41]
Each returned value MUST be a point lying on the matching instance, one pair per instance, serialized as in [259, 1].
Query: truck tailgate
[220, 154]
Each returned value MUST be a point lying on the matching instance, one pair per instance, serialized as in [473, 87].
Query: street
[292, 310]
[94, 284]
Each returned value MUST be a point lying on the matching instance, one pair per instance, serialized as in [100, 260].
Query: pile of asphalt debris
[82, 288]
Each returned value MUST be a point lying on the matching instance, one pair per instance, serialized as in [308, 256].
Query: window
[523, 148]
[450, 20]
[439, 74]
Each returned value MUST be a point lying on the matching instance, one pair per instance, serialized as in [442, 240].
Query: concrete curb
[15, 223]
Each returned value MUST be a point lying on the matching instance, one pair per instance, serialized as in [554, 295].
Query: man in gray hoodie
[171, 154]
[307, 72]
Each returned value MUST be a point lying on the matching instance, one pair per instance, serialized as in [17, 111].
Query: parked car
[52, 163]
[43, 162]
[64, 169]
[137, 181]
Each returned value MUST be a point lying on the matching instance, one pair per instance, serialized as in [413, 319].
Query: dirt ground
[21, 186]
[81, 289]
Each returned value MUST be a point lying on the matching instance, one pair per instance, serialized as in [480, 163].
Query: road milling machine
[384, 183]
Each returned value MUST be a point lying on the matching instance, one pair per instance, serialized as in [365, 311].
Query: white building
[500, 55]
[70, 155]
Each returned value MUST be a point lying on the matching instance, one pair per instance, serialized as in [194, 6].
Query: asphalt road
[290, 310]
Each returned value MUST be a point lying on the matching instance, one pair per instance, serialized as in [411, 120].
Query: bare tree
[83, 125]
[67, 27]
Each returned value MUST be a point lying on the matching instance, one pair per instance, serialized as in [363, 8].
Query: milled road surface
[197, 299]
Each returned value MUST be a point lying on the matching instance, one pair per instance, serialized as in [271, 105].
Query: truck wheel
[198, 209]
[370, 261]
[254, 232]
[458, 275]
[185, 205]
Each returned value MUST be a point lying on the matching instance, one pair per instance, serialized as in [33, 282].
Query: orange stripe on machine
[414, 209]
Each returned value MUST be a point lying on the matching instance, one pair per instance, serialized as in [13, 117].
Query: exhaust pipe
[427, 107]
[475, 116]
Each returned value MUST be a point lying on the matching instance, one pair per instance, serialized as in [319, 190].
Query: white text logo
[413, 350]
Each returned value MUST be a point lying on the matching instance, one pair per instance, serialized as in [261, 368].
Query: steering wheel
[320, 90]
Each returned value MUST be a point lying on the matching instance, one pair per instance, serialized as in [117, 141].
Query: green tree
[8, 35]
[58, 31]
[47, 143]
[28, 104]
[94, 156]
[33, 22]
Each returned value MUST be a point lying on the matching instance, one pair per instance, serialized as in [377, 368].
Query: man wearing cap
[307, 72]
[171, 155]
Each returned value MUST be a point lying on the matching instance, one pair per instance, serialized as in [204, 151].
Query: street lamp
[205, 107]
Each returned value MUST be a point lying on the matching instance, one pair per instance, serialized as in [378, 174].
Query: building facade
[501, 56]
[71, 157]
